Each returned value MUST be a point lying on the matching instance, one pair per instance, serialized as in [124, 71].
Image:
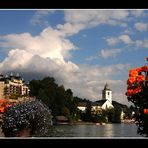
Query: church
[106, 97]
[104, 103]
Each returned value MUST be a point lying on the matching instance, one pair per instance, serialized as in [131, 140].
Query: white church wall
[82, 108]
[106, 105]
[108, 95]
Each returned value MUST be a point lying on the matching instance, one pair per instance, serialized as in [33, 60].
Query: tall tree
[59, 100]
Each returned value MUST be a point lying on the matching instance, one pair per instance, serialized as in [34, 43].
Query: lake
[95, 131]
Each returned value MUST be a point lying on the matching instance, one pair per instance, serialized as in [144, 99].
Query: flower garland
[137, 93]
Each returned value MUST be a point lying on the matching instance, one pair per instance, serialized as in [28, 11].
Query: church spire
[106, 87]
[107, 93]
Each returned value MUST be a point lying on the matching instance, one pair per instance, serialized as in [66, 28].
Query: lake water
[93, 131]
[96, 131]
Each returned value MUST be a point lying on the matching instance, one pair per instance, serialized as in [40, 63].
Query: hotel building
[12, 85]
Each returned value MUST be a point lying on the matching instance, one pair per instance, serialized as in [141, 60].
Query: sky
[82, 49]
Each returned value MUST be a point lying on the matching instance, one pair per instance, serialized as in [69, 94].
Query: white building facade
[106, 102]
[107, 96]
[12, 85]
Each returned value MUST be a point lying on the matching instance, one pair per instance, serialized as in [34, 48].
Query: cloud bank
[49, 54]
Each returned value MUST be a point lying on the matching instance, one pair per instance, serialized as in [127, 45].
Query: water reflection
[108, 130]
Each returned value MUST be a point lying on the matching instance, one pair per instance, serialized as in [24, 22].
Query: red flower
[145, 111]
[130, 92]
[133, 73]
[145, 68]
[131, 80]
[2, 109]
[140, 78]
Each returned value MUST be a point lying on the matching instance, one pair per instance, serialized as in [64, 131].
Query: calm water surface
[108, 130]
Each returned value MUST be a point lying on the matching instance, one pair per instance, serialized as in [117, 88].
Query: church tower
[107, 93]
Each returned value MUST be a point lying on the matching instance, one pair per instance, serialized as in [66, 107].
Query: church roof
[98, 103]
[106, 87]
[82, 104]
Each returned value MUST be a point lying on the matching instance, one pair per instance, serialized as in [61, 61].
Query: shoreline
[93, 123]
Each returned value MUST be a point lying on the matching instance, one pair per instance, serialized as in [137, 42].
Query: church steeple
[106, 87]
[107, 93]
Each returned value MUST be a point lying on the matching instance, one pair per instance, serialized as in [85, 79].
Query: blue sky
[81, 49]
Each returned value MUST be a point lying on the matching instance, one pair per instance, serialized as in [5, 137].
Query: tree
[116, 115]
[54, 96]
[88, 114]
[65, 112]
[34, 86]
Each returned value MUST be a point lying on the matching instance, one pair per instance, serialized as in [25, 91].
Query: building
[105, 103]
[12, 85]
[107, 93]
[2, 87]
[82, 106]
[122, 116]
[107, 97]
[61, 120]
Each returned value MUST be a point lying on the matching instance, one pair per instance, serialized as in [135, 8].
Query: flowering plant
[5, 103]
[31, 114]
[137, 93]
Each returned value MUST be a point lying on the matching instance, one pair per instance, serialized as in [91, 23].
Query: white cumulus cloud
[142, 43]
[137, 13]
[77, 20]
[95, 17]
[105, 53]
[126, 39]
[141, 26]
[120, 39]
[49, 43]
[48, 54]
[39, 15]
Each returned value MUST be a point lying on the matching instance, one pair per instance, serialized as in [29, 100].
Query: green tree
[66, 112]
[113, 115]
[54, 96]
[88, 113]
[34, 86]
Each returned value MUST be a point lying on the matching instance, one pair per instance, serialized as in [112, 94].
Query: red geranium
[137, 93]
[5, 103]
